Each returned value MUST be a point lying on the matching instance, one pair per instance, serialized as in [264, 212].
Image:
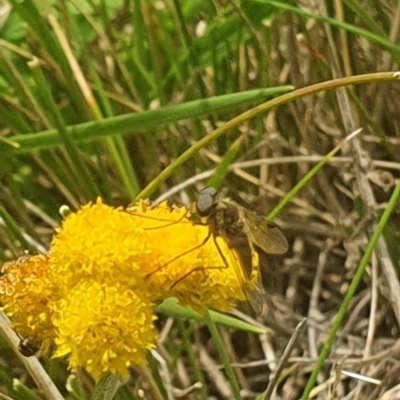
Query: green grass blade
[137, 122]
[379, 40]
[351, 291]
[223, 167]
[86, 181]
[13, 229]
[362, 12]
[171, 308]
[193, 357]
[115, 145]
[39, 25]
[223, 356]
[306, 179]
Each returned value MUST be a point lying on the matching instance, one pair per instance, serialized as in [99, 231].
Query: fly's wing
[255, 296]
[240, 245]
[269, 240]
[243, 268]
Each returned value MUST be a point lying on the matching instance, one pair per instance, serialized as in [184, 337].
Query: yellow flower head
[104, 316]
[99, 243]
[25, 293]
[94, 293]
[103, 328]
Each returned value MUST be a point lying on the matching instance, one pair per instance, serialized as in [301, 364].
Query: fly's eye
[205, 201]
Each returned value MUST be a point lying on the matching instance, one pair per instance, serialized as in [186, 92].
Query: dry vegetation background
[134, 56]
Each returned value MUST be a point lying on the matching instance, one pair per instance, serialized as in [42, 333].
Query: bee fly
[244, 231]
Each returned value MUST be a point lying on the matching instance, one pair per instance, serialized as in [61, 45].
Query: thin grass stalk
[23, 90]
[379, 40]
[306, 179]
[193, 359]
[13, 230]
[116, 145]
[365, 16]
[29, 12]
[153, 373]
[32, 364]
[223, 167]
[87, 184]
[223, 356]
[14, 117]
[351, 291]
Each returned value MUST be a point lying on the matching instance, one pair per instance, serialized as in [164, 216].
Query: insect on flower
[244, 231]
[225, 235]
[29, 346]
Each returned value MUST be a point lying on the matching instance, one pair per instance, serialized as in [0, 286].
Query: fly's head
[206, 202]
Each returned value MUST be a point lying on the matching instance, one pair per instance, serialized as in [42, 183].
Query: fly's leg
[151, 218]
[184, 216]
[226, 265]
[179, 256]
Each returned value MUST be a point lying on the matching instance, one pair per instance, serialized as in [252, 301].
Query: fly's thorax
[216, 223]
[230, 216]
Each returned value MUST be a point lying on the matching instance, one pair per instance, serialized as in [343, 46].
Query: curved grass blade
[262, 108]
